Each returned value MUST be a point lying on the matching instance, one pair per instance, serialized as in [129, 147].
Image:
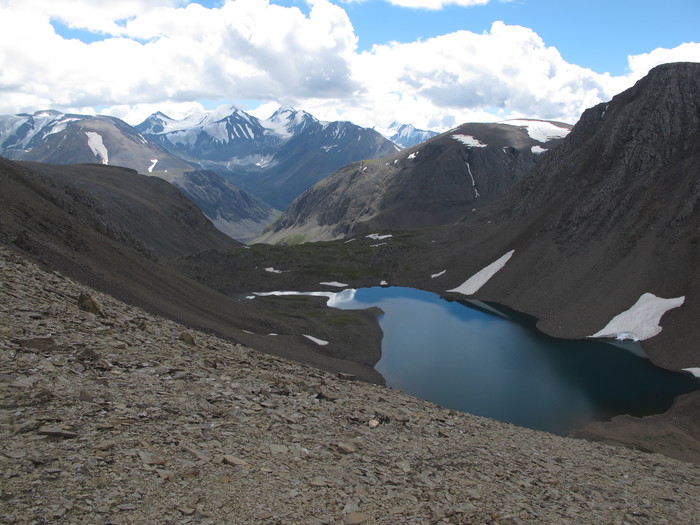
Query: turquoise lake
[468, 359]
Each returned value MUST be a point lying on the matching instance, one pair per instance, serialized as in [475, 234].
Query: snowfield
[539, 130]
[97, 146]
[480, 278]
[642, 320]
[468, 140]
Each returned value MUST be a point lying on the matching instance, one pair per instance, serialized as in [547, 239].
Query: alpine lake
[492, 362]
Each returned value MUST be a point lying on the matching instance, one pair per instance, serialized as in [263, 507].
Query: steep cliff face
[610, 215]
[436, 182]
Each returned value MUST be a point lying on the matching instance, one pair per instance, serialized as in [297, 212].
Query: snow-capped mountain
[215, 136]
[57, 138]
[407, 135]
[275, 158]
[435, 182]
[286, 122]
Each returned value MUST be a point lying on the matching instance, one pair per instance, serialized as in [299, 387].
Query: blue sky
[433, 63]
[597, 34]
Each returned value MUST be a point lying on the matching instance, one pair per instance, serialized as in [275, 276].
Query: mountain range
[435, 182]
[210, 156]
[275, 159]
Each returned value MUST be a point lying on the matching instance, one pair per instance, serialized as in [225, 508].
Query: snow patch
[334, 283]
[412, 155]
[153, 165]
[540, 130]
[480, 278]
[97, 146]
[694, 370]
[538, 149]
[439, 274]
[378, 237]
[641, 321]
[468, 140]
[272, 270]
[316, 340]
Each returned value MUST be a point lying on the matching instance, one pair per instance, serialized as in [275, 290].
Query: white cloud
[172, 56]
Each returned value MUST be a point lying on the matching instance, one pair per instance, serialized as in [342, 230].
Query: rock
[56, 432]
[356, 517]
[150, 459]
[88, 303]
[373, 423]
[235, 461]
[187, 338]
[346, 448]
[41, 344]
[85, 396]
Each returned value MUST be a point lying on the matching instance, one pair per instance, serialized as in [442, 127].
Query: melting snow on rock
[97, 146]
[468, 140]
[480, 278]
[316, 340]
[153, 165]
[641, 321]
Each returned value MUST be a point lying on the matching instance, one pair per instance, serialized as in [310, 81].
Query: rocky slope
[67, 218]
[436, 182]
[112, 415]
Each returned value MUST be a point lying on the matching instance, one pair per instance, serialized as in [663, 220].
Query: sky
[430, 63]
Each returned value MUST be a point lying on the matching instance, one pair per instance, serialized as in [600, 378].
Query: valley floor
[119, 416]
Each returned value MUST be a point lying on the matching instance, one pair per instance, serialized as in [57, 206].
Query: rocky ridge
[112, 415]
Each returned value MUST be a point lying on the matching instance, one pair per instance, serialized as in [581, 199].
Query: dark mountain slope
[437, 182]
[611, 214]
[311, 155]
[67, 217]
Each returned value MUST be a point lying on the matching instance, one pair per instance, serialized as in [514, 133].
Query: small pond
[496, 364]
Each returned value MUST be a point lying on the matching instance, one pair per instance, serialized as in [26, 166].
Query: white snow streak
[153, 165]
[695, 371]
[480, 278]
[468, 140]
[97, 146]
[334, 283]
[476, 192]
[439, 274]
[316, 340]
[378, 237]
[642, 320]
[272, 270]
